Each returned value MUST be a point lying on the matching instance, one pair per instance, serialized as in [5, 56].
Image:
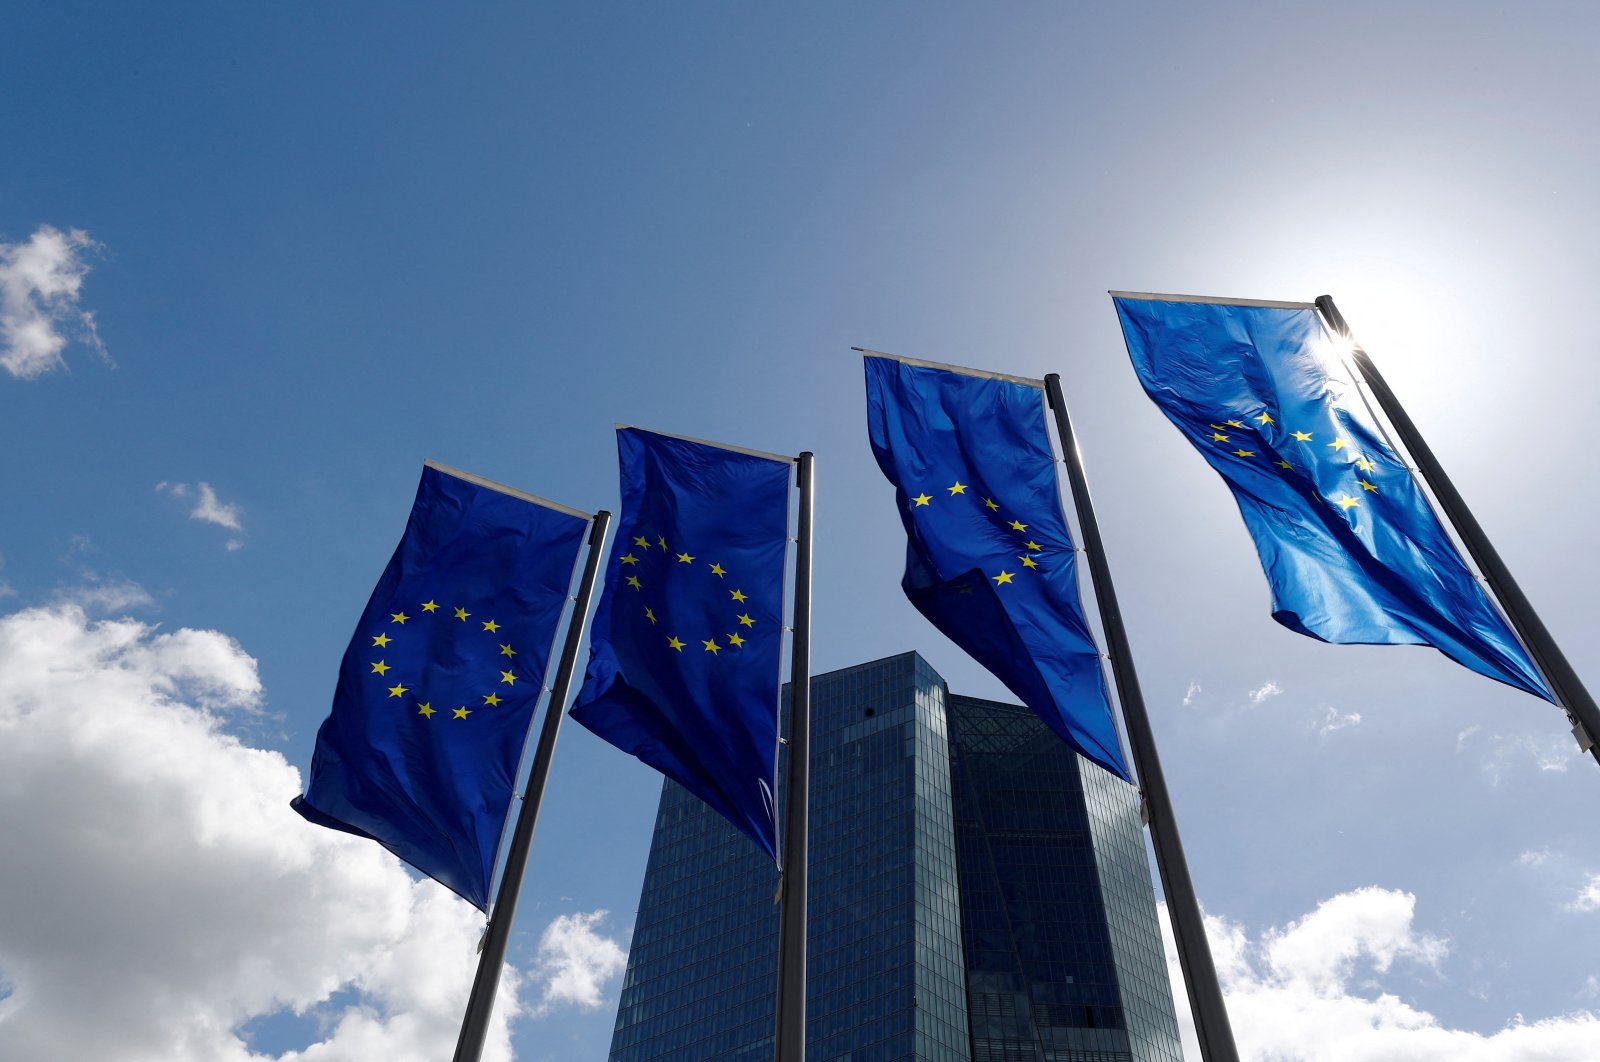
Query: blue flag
[438, 687]
[1350, 545]
[989, 559]
[687, 640]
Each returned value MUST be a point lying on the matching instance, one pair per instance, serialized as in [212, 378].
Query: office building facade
[978, 893]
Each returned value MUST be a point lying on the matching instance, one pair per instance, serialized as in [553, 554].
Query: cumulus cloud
[169, 896]
[208, 507]
[1268, 689]
[1191, 693]
[1333, 719]
[575, 962]
[1589, 896]
[1292, 993]
[40, 284]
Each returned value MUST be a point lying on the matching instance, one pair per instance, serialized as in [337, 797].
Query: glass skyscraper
[978, 893]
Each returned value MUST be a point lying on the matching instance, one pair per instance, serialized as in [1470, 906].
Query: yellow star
[425, 709]
[1363, 464]
[641, 541]
[718, 570]
[380, 668]
[712, 647]
[381, 640]
[633, 581]
[491, 626]
[397, 691]
[506, 650]
[492, 700]
[684, 558]
[461, 713]
[1027, 561]
[1368, 486]
[1265, 418]
[430, 606]
[1284, 464]
[1019, 525]
[746, 621]
[398, 617]
[508, 678]
[461, 613]
[740, 595]
[1244, 453]
[1217, 436]
[1347, 502]
[1003, 578]
[921, 499]
[661, 539]
[1303, 436]
[735, 640]
[1338, 444]
[628, 558]
[649, 615]
[1235, 423]
[1035, 546]
[957, 488]
[991, 504]
[673, 641]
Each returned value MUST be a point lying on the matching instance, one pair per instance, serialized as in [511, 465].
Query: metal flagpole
[1568, 688]
[475, 1025]
[1194, 953]
[791, 1039]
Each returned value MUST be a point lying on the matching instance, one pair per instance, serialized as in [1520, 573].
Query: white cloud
[1502, 753]
[1269, 689]
[1291, 994]
[1191, 693]
[1335, 720]
[104, 596]
[1533, 857]
[208, 507]
[1589, 896]
[575, 962]
[169, 894]
[40, 282]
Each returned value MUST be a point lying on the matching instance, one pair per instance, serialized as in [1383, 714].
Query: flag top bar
[780, 458]
[982, 374]
[503, 489]
[1148, 296]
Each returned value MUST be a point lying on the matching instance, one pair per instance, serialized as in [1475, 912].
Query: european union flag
[1349, 543]
[685, 650]
[989, 559]
[438, 686]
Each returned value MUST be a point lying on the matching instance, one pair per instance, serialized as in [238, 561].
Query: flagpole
[475, 1025]
[1564, 681]
[1194, 953]
[791, 1033]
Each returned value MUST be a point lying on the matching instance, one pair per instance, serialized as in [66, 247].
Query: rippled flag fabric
[1349, 543]
[989, 558]
[439, 684]
[687, 640]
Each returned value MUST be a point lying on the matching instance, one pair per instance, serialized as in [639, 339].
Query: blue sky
[324, 243]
